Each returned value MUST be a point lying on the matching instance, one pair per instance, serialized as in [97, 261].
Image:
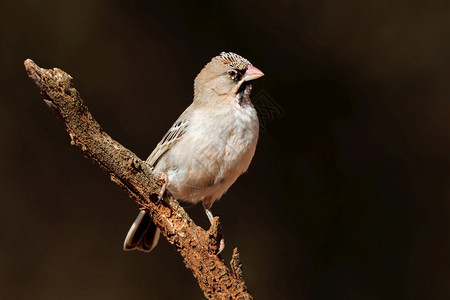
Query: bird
[209, 146]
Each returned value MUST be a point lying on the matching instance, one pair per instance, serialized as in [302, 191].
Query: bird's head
[225, 75]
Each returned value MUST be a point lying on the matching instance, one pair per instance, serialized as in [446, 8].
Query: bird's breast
[216, 148]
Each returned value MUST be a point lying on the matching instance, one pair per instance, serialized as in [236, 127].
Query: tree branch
[196, 246]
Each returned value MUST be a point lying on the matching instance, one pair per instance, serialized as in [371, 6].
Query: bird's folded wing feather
[169, 140]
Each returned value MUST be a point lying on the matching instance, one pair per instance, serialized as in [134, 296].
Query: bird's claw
[164, 178]
[221, 246]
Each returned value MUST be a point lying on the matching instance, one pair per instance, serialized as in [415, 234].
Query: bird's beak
[252, 73]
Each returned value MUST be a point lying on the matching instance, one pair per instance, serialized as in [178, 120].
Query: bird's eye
[232, 73]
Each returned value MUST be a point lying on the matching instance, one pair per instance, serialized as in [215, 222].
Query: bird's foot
[164, 178]
[221, 246]
[209, 215]
[215, 232]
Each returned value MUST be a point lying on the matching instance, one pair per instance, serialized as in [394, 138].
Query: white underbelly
[207, 161]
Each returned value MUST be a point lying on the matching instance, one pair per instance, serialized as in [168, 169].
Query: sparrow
[209, 146]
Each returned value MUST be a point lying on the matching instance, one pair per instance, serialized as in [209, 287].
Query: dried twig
[197, 246]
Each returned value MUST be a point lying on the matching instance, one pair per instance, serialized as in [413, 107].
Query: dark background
[346, 198]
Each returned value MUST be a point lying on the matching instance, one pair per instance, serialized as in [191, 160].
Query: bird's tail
[143, 234]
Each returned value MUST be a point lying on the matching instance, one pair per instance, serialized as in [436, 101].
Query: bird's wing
[169, 140]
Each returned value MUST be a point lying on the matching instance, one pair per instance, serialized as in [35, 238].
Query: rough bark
[196, 246]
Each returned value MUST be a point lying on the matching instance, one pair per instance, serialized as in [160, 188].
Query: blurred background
[346, 198]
